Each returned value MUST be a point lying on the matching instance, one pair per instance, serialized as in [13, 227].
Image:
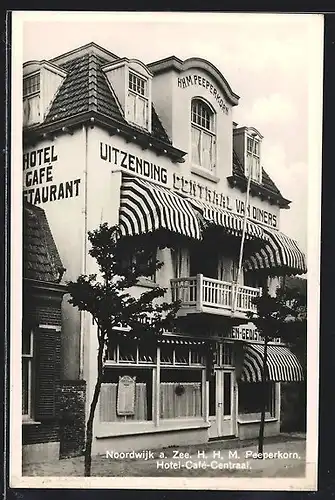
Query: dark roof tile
[41, 259]
[86, 88]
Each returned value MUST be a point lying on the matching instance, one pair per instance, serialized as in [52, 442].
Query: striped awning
[282, 364]
[231, 222]
[146, 207]
[278, 252]
[183, 341]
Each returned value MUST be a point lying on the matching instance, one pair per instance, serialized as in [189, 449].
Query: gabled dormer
[247, 143]
[131, 81]
[41, 81]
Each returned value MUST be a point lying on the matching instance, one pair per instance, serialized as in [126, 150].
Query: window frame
[272, 401]
[145, 97]
[34, 92]
[252, 154]
[210, 131]
[28, 358]
[132, 369]
[130, 258]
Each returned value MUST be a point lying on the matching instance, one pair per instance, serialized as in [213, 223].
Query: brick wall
[43, 308]
[45, 312]
[72, 417]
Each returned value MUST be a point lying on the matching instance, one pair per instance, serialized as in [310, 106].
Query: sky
[269, 60]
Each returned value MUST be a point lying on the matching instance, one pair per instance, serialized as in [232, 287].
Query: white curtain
[108, 404]
[187, 404]
[196, 146]
[207, 150]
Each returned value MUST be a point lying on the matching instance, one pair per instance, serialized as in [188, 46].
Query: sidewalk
[284, 457]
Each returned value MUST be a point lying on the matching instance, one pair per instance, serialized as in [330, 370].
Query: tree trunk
[264, 397]
[89, 426]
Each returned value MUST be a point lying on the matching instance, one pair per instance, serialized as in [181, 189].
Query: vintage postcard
[166, 186]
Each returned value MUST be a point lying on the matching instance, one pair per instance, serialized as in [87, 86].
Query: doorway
[204, 260]
[221, 403]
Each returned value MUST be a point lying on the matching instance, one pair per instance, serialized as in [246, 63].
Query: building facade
[154, 149]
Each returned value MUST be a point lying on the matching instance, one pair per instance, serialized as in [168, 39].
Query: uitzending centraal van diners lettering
[38, 178]
[133, 163]
[208, 195]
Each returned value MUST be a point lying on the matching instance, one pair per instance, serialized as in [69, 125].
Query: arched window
[203, 135]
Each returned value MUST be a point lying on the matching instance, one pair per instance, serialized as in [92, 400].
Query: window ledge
[256, 421]
[29, 421]
[203, 173]
[166, 425]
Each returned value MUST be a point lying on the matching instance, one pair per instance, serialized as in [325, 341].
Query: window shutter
[131, 107]
[45, 373]
[26, 111]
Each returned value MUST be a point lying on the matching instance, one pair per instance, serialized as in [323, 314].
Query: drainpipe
[84, 249]
[235, 287]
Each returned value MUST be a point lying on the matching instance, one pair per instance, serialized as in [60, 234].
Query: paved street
[284, 457]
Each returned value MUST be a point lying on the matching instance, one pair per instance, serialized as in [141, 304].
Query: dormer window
[203, 135]
[130, 81]
[31, 85]
[252, 163]
[41, 81]
[138, 102]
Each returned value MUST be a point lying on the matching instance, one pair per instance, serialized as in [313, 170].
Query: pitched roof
[86, 88]
[267, 182]
[41, 259]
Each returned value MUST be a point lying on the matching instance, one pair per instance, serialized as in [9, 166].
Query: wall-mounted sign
[187, 186]
[133, 163]
[126, 395]
[247, 333]
[198, 80]
[204, 193]
[38, 186]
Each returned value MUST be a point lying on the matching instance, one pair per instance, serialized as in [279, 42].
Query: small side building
[41, 338]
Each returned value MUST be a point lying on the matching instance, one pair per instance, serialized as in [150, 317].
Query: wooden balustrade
[198, 291]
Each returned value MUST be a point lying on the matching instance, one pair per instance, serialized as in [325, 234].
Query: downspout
[245, 218]
[84, 249]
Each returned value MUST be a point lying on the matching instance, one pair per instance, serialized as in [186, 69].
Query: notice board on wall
[126, 395]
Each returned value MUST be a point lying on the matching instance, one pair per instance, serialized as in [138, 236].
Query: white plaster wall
[181, 120]
[162, 93]
[66, 221]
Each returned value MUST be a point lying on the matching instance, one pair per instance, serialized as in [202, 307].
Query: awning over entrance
[232, 223]
[278, 252]
[146, 207]
[282, 364]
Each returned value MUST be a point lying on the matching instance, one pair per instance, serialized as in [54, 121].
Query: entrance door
[221, 387]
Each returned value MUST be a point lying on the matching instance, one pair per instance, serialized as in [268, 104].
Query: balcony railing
[201, 294]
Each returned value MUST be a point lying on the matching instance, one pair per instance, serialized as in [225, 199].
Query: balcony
[199, 294]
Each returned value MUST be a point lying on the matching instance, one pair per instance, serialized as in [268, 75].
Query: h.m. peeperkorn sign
[126, 395]
[38, 178]
[200, 81]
